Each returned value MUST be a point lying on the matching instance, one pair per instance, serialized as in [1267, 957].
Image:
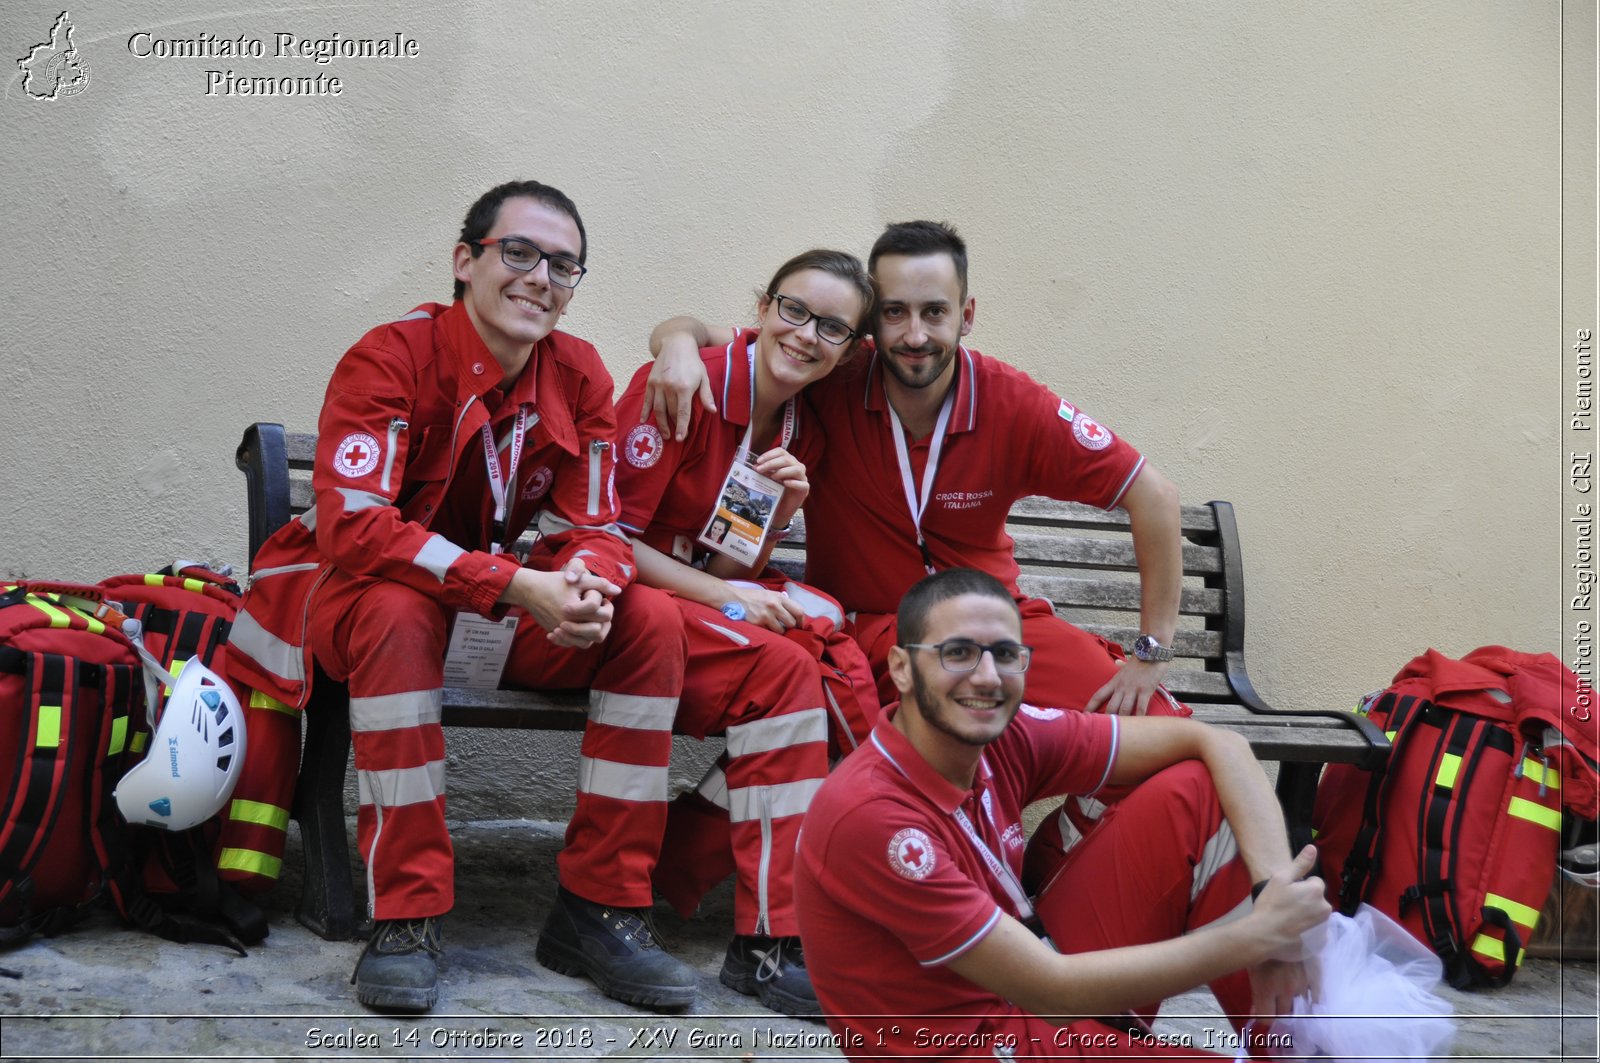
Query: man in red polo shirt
[929, 443]
[918, 935]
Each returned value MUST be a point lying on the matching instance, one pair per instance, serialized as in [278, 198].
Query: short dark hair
[912, 621]
[912, 238]
[841, 264]
[482, 215]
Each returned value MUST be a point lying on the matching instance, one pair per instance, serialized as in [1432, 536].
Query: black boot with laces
[616, 948]
[773, 970]
[399, 971]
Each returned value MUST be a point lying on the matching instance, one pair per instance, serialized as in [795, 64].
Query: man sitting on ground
[908, 877]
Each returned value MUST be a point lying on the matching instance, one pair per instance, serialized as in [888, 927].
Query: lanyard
[788, 408]
[497, 483]
[997, 867]
[916, 505]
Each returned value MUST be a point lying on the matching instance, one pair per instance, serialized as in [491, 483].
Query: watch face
[1146, 648]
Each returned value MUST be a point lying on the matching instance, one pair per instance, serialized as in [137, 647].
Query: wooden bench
[1078, 557]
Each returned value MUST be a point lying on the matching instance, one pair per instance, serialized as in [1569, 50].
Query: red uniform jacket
[401, 422]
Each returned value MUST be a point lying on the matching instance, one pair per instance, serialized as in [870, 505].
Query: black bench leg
[1297, 794]
[327, 902]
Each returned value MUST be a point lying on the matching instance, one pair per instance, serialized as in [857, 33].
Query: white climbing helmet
[196, 755]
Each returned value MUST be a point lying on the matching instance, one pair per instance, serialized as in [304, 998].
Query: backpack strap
[1362, 862]
[1463, 741]
[34, 799]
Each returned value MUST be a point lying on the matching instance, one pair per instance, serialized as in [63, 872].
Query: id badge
[744, 512]
[478, 651]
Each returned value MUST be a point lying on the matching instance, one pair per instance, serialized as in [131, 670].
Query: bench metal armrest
[264, 459]
[1233, 648]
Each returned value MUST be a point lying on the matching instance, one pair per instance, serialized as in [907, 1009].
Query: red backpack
[188, 613]
[71, 723]
[1457, 836]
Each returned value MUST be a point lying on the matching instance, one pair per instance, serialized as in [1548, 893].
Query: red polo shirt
[668, 489]
[890, 887]
[1008, 437]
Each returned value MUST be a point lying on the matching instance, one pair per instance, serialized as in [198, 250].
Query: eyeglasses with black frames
[797, 314]
[964, 655]
[525, 256]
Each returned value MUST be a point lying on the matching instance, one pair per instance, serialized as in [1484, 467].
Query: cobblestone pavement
[101, 991]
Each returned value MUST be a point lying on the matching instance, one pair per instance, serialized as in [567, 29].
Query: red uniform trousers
[1162, 863]
[763, 691]
[1069, 665]
[698, 852]
[387, 642]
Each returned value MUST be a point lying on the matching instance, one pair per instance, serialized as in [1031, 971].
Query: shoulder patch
[357, 455]
[1067, 411]
[1091, 433]
[539, 483]
[643, 446]
[911, 853]
[1042, 714]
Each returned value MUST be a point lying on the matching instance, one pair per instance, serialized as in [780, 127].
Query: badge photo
[743, 513]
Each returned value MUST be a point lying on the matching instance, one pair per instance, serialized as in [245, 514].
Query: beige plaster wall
[1306, 256]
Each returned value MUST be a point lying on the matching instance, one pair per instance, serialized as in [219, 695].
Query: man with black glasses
[443, 436]
[919, 937]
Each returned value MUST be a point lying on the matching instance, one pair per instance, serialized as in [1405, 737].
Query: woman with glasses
[750, 630]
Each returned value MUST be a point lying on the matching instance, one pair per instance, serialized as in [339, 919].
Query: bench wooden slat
[302, 448]
[1121, 594]
[1036, 548]
[530, 710]
[1186, 683]
[1187, 643]
[1048, 511]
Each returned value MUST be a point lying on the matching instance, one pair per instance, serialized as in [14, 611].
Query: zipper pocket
[396, 426]
[597, 450]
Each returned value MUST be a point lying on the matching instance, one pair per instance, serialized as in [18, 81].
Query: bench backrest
[1078, 557]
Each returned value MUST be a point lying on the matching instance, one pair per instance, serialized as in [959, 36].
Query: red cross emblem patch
[539, 482]
[642, 448]
[911, 853]
[357, 455]
[1091, 433]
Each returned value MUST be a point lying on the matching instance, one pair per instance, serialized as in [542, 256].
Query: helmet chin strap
[154, 674]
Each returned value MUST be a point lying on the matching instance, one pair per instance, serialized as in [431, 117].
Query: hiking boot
[399, 971]
[616, 949]
[773, 970]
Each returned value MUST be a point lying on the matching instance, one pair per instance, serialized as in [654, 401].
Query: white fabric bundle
[1375, 997]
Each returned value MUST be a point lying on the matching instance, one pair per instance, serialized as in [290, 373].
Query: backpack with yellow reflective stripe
[72, 710]
[1456, 837]
[186, 611]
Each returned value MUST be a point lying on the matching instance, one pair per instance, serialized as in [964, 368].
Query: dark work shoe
[773, 970]
[399, 971]
[616, 949]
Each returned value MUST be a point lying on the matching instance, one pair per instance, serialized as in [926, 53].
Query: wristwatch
[1146, 648]
[733, 610]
